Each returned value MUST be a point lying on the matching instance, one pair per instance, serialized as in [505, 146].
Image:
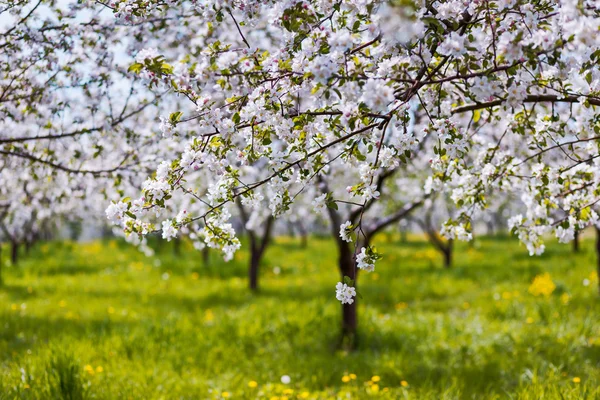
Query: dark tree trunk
[448, 253]
[255, 258]
[1, 281]
[14, 253]
[257, 248]
[205, 256]
[576, 242]
[349, 315]
[258, 245]
[598, 255]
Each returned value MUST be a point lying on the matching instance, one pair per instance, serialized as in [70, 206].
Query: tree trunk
[448, 254]
[290, 229]
[303, 236]
[349, 315]
[576, 242]
[490, 227]
[205, 256]
[598, 255]
[255, 258]
[403, 235]
[258, 245]
[14, 253]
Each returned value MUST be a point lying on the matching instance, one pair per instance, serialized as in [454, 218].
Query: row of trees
[271, 108]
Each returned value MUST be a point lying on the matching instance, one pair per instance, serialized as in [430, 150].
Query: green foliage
[100, 320]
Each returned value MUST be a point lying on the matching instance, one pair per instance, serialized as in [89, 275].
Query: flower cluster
[345, 293]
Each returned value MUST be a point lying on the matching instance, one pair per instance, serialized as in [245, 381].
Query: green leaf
[348, 281]
[175, 117]
[135, 68]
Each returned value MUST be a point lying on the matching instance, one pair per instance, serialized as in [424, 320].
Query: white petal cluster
[344, 293]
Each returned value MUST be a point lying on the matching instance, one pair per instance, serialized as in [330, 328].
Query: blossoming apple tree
[75, 128]
[508, 91]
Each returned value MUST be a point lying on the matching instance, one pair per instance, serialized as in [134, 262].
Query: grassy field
[101, 321]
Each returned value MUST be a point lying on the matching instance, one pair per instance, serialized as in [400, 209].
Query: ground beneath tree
[100, 320]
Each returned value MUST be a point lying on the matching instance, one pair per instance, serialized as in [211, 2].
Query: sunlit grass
[99, 320]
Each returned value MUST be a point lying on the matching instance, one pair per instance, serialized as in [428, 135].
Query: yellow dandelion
[252, 384]
[304, 395]
[542, 285]
[225, 394]
[404, 384]
[345, 379]
[89, 369]
[376, 378]
[352, 376]
[576, 379]
[62, 304]
[195, 276]
[529, 320]
[99, 369]
[565, 298]
[110, 310]
[466, 305]
[14, 306]
[208, 316]
[375, 388]
[401, 306]
[288, 391]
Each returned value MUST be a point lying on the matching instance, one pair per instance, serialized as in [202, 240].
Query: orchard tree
[434, 210]
[507, 91]
[76, 128]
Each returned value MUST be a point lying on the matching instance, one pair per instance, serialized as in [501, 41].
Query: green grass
[101, 321]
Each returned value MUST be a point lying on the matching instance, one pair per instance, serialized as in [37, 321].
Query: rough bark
[576, 242]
